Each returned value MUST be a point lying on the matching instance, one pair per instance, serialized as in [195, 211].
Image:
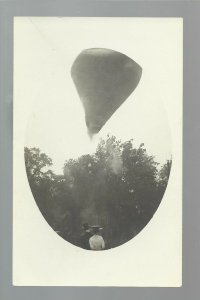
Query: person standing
[96, 241]
[84, 240]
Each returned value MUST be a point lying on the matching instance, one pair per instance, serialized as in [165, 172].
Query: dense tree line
[119, 187]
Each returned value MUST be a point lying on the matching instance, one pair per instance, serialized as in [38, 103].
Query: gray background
[190, 11]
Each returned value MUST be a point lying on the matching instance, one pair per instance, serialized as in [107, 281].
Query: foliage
[118, 187]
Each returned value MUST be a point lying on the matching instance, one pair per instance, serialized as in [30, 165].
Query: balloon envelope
[104, 79]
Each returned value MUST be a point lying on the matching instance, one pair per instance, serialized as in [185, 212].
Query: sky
[55, 119]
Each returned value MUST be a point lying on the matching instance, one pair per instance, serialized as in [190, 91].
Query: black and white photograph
[97, 151]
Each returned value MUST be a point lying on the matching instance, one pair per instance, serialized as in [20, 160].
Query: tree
[35, 162]
[51, 192]
[118, 187]
[163, 177]
[115, 187]
[40, 178]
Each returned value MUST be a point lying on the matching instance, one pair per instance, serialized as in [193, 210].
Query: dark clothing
[85, 240]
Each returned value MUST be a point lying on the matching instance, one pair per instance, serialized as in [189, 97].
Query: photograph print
[97, 137]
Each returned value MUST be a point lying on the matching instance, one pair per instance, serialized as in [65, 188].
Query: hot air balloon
[104, 79]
